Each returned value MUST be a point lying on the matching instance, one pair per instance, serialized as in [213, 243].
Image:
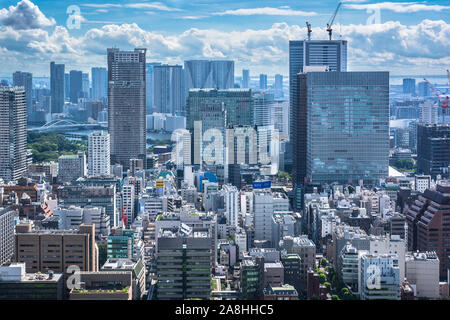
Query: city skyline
[410, 36]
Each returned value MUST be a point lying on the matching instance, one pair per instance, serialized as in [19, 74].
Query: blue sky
[410, 37]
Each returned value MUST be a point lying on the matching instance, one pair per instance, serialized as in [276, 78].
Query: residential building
[202, 74]
[25, 80]
[6, 234]
[71, 167]
[99, 154]
[422, 272]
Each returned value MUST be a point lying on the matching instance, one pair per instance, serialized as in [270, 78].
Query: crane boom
[444, 103]
[308, 26]
[331, 21]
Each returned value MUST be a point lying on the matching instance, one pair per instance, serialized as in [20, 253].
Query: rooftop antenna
[330, 23]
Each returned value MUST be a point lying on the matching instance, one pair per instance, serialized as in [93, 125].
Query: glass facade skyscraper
[347, 126]
[57, 87]
[168, 89]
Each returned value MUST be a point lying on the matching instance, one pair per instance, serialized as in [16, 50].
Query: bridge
[66, 125]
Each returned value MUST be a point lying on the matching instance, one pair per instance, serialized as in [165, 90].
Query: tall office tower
[71, 167]
[278, 87]
[384, 266]
[6, 234]
[150, 85]
[279, 117]
[99, 154]
[57, 87]
[245, 78]
[409, 86]
[231, 203]
[66, 86]
[183, 265]
[331, 53]
[13, 133]
[423, 89]
[263, 81]
[99, 83]
[428, 112]
[427, 230]
[70, 248]
[262, 106]
[126, 105]
[85, 86]
[203, 74]
[76, 86]
[25, 79]
[168, 91]
[433, 149]
[216, 109]
[347, 127]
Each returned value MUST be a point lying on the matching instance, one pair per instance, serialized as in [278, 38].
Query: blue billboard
[261, 184]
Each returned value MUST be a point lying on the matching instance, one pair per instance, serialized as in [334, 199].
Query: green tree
[324, 262]
[335, 297]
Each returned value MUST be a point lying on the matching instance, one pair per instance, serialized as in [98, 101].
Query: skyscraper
[168, 91]
[126, 105]
[423, 89]
[331, 53]
[150, 86]
[263, 81]
[409, 86]
[99, 83]
[57, 87]
[13, 133]
[85, 87]
[262, 106]
[203, 74]
[278, 87]
[433, 149]
[245, 78]
[6, 234]
[25, 79]
[347, 127]
[76, 85]
[66, 86]
[99, 154]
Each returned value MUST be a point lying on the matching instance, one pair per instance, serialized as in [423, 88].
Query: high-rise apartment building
[57, 87]
[341, 127]
[245, 78]
[149, 81]
[203, 74]
[6, 234]
[99, 154]
[263, 81]
[25, 79]
[13, 133]
[168, 89]
[433, 149]
[99, 83]
[76, 86]
[126, 105]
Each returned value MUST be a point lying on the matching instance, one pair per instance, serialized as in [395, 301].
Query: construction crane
[444, 103]
[330, 23]
[308, 25]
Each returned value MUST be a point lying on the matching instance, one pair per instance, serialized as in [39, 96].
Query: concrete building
[379, 277]
[13, 133]
[428, 112]
[16, 284]
[184, 263]
[56, 250]
[283, 292]
[104, 285]
[292, 264]
[99, 158]
[422, 273]
[231, 203]
[126, 105]
[422, 183]
[349, 272]
[71, 167]
[6, 234]
[273, 274]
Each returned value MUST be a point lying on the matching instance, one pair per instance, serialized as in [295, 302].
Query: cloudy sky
[404, 37]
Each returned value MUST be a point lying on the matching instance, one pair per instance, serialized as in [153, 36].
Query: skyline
[412, 35]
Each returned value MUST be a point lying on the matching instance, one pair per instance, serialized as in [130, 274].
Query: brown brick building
[428, 221]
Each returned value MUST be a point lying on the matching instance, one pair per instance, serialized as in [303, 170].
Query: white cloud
[25, 15]
[392, 46]
[139, 5]
[399, 7]
[283, 11]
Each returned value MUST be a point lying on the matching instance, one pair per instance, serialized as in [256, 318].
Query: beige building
[56, 250]
[422, 273]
